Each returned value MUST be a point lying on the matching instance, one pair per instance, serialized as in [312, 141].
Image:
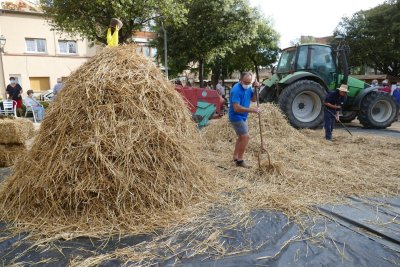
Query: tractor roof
[309, 44]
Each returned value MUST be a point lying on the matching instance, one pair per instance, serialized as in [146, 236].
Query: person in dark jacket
[333, 103]
[14, 92]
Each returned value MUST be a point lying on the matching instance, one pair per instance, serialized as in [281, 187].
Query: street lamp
[2, 43]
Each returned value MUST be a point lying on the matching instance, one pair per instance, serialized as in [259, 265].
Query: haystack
[116, 151]
[13, 135]
[15, 131]
[10, 153]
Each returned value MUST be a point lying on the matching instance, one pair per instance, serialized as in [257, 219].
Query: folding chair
[9, 107]
[30, 109]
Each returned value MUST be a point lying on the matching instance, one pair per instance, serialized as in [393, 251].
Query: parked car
[44, 96]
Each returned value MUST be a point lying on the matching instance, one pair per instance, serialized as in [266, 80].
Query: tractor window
[286, 62]
[322, 63]
[321, 59]
[302, 59]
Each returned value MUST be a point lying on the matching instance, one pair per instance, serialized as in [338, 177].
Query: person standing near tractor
[333, 103]
[241, 95]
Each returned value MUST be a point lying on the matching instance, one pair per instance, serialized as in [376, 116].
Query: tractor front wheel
[378, 110]
[302, 102]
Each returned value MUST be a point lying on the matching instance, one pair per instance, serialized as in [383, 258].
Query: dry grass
[15, 131]
[10, 153]
[118, 153]
[115, 153]
[311, 170]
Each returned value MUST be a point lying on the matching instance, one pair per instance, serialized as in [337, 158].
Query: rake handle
[262, 148]
[344, 126]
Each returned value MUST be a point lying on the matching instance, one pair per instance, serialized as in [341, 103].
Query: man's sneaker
[243, 164]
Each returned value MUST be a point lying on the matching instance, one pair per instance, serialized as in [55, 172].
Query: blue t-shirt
[241, 96]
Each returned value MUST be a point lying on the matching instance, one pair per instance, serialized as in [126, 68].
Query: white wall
[16, 26]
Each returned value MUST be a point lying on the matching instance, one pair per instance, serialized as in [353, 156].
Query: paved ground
[355, 126]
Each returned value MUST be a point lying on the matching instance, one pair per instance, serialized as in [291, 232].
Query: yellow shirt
[112, 40]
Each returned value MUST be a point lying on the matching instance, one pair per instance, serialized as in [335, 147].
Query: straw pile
[115, 153]
[13, 135]
[15, 131]
[100, 161]
[312, 170]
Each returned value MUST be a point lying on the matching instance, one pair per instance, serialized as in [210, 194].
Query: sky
[318, 18]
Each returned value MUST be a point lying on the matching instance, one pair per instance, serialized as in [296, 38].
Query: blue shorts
[240, 127]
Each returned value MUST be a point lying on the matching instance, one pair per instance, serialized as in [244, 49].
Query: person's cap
[385, 82]
[343, 88]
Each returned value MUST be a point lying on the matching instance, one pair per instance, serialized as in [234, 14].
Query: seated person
[385, 87]
[36, 106]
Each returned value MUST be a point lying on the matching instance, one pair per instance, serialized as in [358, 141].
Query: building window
[146, 51]
[35, 45]
[67, 47]
[39, 83]
[154, 52]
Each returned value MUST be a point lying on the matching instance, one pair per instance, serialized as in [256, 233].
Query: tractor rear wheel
[378, 110]
[268, 95]
[302, 102]
[348, 116]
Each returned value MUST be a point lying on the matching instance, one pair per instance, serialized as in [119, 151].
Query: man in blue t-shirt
[240, 96]
[333, 102]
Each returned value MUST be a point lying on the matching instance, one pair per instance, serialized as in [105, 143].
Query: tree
[213, 28]
[374, 37]
[261, 50]
[91, 19]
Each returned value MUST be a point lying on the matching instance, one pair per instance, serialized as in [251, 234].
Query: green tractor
[304, 75]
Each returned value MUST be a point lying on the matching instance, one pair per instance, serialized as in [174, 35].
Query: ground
[364, 232]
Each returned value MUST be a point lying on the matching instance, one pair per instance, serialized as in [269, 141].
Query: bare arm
[329, 105]
[240, 109]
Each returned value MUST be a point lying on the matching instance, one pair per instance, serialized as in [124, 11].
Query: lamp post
[2, 79]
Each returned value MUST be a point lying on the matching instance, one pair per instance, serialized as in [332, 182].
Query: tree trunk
[201, 73]
[215, 76]
[257, 74]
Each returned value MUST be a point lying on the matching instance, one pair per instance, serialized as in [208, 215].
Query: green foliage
[261, 50]
[45, 104]
[220, 35]
[374, 37]
[91, 19]
[213, 29]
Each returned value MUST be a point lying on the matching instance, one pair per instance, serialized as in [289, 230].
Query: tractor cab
[316, 59]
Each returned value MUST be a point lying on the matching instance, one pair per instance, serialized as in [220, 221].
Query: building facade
[35, 54]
